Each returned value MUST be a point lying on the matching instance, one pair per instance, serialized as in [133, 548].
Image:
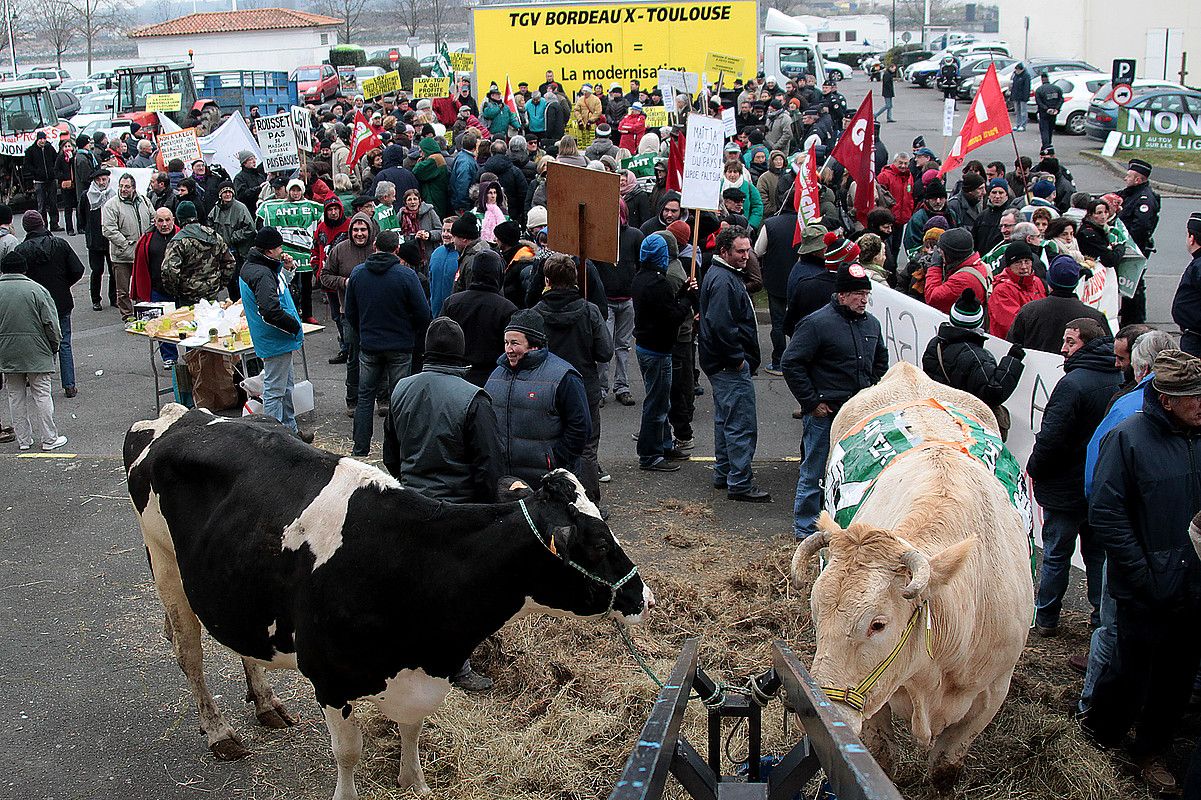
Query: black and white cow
[297, 558]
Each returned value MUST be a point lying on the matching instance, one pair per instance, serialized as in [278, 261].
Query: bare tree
[164, 10]
[438, 13]
[54, 24]
[348, 11]
[410, 14]
[92, 18]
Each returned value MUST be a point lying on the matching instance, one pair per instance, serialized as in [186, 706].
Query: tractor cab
[26, 107]
[135, 83]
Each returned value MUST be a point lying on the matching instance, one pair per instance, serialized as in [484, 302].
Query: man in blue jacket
[835, 352]
[728, 345]
[273, 321]
[387, 313]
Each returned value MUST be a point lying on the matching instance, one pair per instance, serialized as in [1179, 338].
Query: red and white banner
[856, 150]
[806, 193]
[509, 99]
[363, 140]
[987, 119]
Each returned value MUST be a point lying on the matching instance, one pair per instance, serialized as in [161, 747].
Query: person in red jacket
[961, 268]
[332, 227]
[1013, 288]
[898, 182]
[631, 128]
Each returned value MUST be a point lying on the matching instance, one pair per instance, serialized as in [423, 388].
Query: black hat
[733, 193]
[1193, 225]
[851, 278]
[268, 239]
[465, 227]
[918, 142]
[409, 253]
[972, 181]
[278, 181]
[101, 173]
[529, 322]
[507, 232]
[1139, 166]
[1017, 251]
[14, 262]
[956, 245]
[361, 201]
[934, 188]
[82, 141]
[444, 341]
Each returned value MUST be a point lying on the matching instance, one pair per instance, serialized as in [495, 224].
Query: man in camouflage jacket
[197, 264]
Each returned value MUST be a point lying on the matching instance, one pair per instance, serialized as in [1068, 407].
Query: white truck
[787, 49]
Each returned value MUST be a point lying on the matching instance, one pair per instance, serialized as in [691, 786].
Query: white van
[787, 50]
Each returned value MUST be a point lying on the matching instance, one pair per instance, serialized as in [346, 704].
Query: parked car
[1078, 89]
[1103, 111]
[105, 79]
[51, 75]
[315, 82]
[1034, 66]
[837, 71]
[363, 73]
[66, 104]
[922, 72]
[975, 67]
[113, 128]
[96, 106]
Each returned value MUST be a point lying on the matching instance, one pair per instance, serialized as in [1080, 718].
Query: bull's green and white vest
[862, 455]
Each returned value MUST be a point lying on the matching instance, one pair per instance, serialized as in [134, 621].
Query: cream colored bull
[935, 571]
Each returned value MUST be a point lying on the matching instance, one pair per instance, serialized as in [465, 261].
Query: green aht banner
[1145, 129]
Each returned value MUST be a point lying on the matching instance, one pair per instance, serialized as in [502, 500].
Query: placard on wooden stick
[581, 212]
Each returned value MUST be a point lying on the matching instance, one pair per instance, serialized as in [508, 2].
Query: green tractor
[136, 82]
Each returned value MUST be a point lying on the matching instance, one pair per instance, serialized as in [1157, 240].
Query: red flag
[675, 164]
[363, 140]
[987, 119]
[806, 193]
[856, 150]
[509, 101]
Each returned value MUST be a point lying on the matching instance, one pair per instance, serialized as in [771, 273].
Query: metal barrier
[828, 745]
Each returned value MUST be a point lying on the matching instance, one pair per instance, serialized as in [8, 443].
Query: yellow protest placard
[164, 102]
[462, 62]
[718, 62]
[430, 87]
[388, 82]
[656, 116]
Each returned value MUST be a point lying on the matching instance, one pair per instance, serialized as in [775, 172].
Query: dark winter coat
[728, 332]
[810, 286]
[482, 312]
[1186, 306]
[658, 310]
[969, 366]
[512, 180]
[1039, 325]
[618, 278]
[1076, 407]
[1145, 491]
[52, 263]
[833, 354]
[386, 306]
[576, 333]
[779, 257]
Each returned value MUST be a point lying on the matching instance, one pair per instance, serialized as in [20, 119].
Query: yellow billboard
[602, 44]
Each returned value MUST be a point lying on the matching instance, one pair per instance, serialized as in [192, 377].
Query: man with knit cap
[958, 358]
[813, 279]
[541, 407]
[274, 323]
[466, 234]
[934, 203]
[1039, 325]
[960, 268]
[728, 346]
[52, 262]
[1144, 495]
[968, 203]
[1186, 305]
[197, 263]
[658, 312]
[835, 352]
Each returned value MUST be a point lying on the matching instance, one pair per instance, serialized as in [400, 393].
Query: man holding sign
[296, 218]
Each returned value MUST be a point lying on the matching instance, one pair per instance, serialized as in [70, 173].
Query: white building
[260, 38]
[1156, 33]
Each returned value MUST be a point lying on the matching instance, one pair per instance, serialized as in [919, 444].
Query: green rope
[636, 654]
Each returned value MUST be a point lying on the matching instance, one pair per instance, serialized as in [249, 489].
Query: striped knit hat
[967, 311]
[839, 250]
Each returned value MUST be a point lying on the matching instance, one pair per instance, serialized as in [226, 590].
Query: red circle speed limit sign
[1122, 94]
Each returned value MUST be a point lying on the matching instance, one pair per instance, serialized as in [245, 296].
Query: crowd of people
[489, 354]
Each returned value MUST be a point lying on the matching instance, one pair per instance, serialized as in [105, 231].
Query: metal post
[894, 23]
[1183, 65]
[12, 48]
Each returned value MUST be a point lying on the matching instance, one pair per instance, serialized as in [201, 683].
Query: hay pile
[569, 700]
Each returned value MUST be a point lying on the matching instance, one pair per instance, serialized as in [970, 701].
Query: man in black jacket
[482, 312]
[39, 164]
[576, 333]
[1048, 98]
[1145, 490]
[1186, 305]
[1075, 409]
[958, 358]
[658, 312]
[511, 178]
[53, 264]
[1039, 325]
[617, 279]
[1140, 214]
[835, 351]
[728, 346]
[777, 255]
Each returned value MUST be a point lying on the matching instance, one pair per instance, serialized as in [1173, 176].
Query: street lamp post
[12, 49]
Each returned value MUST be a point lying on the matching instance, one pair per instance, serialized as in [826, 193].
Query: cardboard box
[152, 310]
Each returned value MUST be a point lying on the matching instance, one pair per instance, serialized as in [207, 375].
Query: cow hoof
[944, 776]
[230, 749]
[276, 718]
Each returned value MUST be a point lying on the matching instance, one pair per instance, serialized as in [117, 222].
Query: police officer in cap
[1186, 306]
[1140, 214]
[834, 101]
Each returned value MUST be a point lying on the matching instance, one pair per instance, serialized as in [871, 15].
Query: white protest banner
[302, 123]
[141, 176]
[15, 144]
[677, 81]
[729, 122]
[700, 186]
[278, 141]
[223, 145]
[948, 117]
[909, 325]
[181, 144]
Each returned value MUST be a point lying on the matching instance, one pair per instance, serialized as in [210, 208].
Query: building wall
[1101, 30]
[276, 50]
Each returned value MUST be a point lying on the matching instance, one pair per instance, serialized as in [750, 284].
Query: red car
[315, 83]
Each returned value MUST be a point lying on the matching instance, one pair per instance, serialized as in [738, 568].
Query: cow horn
[919, 569]
[806, 550]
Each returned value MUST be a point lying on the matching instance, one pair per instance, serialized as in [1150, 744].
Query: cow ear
[560, 540]
[510, 490]
[945, 564]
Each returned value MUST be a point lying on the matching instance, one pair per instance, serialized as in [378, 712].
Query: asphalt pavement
[95, 702]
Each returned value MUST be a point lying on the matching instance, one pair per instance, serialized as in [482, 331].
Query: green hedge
[347, 55]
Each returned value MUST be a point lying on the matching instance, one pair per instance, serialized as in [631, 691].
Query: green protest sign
[642, 165]
[1146, 129]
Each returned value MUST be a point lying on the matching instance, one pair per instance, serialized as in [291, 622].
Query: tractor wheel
[210, 118]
